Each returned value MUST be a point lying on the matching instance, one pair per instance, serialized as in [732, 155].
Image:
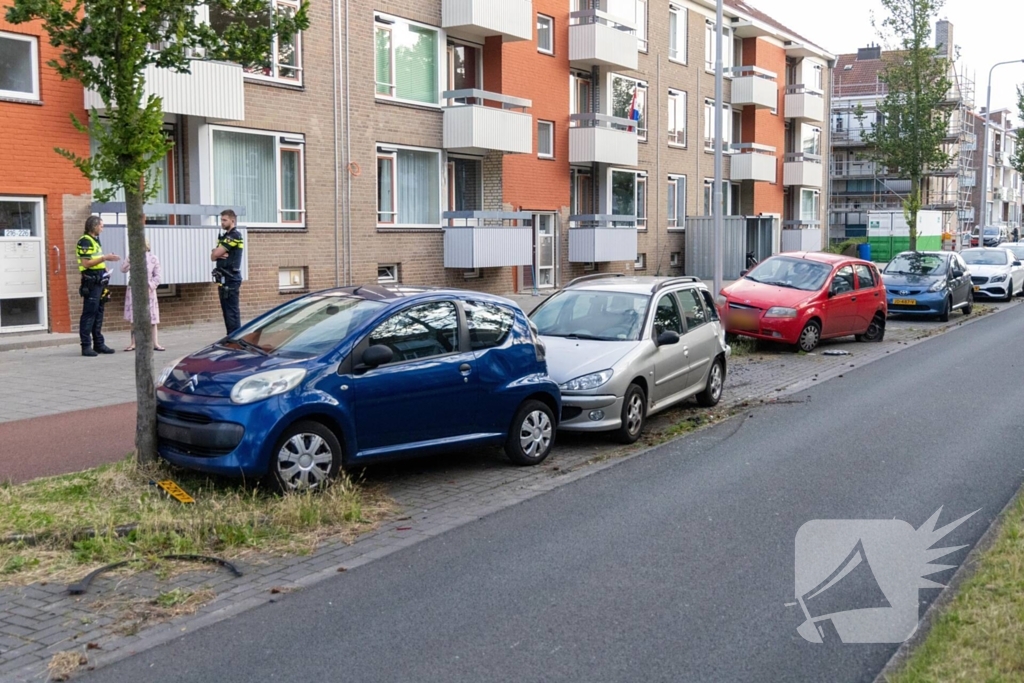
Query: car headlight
[999, 278]
[721, 301]
[937, 286]
[780, 312]
[166, 372]
[266, 384]
[588, 382]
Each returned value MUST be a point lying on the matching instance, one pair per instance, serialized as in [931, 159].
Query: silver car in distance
[623, 348]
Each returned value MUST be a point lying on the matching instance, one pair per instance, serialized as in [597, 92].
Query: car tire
[876, 330]
[946, 308]
[969, 308]
[1009, 291]
[307, 457]
[532, 434]
[634, 415]
[809, 337]
[712, 393]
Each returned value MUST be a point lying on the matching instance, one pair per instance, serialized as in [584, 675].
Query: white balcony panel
[801, 240]
[212, 89]
[806, 106]
[184, 252]
[802, 173]
[753, 166]
[602, 244]
[755, 91]
[475, 129]
[593, 145]
[469, 247]
[479, 19]
[602, 45]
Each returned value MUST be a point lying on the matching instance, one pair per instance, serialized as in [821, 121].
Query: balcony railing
[752, 161]
[472, 127]
[802, 169]
[805, 104]
[212, 89]
[596, 238]
[756, 87]
[480, 19]
[602, 139]
[858, 170]
[847, 138]
[597, 38]
[488, 239]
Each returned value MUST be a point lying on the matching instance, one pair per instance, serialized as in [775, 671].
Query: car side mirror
[378, 355]
[667, 338]
[1016, 263]
[743, 273]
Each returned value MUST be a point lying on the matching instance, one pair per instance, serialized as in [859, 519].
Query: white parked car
[995, 272]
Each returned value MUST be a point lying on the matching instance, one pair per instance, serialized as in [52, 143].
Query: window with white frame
[809, 204]
[678, 33]
[291, 279]
[387, 273]
[675, 259]
[677, 118]
[817, 78]
[545, 34]
[811, 143]
[546, 139]
[262, 171]
[641, 202]
[629, 101]
[580, 93]
[285, 58]
[676, 211]
[407, 60]
[19, 66]
[641, 262]
[730, 197]
[626, 187]
[641, 25]
[710, 44]
[408, 187]
[709, 125]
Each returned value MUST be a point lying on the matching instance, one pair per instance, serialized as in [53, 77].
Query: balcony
[602, 139]
[488, 239]
[597, 38]
[212, 89]
[602, 239]
[472, 127]
[857, 169]
[805, 104]
[804, 170]
[801, 235]
[480, 19]
[847, 138]
[1002, 158]
[753, 86]
[753, 162]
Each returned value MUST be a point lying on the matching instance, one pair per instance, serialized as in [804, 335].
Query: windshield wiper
[247, 345]
[585, 337]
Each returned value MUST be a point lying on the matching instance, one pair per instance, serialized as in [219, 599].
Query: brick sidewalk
[434, 496]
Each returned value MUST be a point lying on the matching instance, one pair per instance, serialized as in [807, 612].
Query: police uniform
[94, 281]
[229, 277]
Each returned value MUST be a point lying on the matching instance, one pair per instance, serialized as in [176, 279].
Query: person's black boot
[103, 348]
[87, 351]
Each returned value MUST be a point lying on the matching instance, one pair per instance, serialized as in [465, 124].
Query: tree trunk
[913, 205]
[145, 392]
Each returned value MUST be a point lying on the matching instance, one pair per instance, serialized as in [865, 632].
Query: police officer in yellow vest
[92, 265]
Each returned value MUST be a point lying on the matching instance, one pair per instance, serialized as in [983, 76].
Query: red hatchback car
[802, 297]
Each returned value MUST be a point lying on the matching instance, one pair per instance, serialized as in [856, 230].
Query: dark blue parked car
[359, 374]
[930, 283]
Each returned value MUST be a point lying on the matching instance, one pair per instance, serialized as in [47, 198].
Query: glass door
[544, 250]
[22, 264]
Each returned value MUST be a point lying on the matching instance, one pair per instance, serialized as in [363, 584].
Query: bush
[848, 244]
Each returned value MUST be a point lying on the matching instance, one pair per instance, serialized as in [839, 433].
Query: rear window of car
[489, 324]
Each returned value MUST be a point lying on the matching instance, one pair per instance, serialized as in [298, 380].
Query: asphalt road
[674, 566]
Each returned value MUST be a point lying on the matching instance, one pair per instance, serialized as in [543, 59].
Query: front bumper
[993, 290]
[784, 330]
[578, 408]
[925, 303]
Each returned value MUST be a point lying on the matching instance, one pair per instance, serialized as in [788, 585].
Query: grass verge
[980, 634]
[74, 523]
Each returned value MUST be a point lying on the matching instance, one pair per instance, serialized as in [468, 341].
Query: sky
[987, 31]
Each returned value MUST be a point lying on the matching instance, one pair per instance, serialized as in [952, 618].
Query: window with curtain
[406, 61]
[677, 33]
[409, 188]
[677, 118]
[259, 172]
[623, 92]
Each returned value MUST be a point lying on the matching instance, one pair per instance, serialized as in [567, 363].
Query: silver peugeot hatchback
[623, 348]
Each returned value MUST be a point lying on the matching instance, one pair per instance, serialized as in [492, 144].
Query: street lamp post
[717, 195]
[983, 209]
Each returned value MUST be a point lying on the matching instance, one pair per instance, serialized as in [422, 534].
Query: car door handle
[853, 298]
[465, 368]
[686, 350]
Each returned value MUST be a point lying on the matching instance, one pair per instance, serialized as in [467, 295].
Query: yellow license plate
[904, 302]
[977, 288]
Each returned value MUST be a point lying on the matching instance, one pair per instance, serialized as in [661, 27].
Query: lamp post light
[983, 209]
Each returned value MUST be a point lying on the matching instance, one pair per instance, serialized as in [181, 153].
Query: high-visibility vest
[94, 251]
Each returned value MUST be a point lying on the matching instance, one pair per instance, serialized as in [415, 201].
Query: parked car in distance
[995, 272]
[928, 283]
[358, 374]
[624, 348]
[803, 297]
[994, 236]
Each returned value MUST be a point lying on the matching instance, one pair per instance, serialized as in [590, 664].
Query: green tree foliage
[107, 45]
[915, 113]
[1018, 153]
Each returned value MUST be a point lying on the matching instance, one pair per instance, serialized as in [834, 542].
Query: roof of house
[861, 77]
[756, 14]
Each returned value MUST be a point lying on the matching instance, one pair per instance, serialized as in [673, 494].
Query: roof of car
[636, 284]
[395, 293]
[818, 256]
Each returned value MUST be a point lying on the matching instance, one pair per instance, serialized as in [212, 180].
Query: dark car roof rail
[674, 281]
[595, 276]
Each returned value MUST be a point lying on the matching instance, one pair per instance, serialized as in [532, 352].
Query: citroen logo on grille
[193, 382]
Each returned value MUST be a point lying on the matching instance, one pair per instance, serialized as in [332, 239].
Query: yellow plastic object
[175, 491]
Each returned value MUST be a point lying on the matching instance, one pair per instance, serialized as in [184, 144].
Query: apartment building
[860, 186]
[1003, 197]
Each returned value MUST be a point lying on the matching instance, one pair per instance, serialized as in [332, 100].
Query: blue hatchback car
[359, 374]
[929, 283]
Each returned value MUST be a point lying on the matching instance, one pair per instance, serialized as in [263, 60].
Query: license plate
[904, 302]
[977, 288]
[743, 321]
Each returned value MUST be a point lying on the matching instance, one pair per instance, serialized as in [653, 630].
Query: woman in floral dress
[153, 269]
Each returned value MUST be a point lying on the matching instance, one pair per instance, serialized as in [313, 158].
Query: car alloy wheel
[635, 414]
[809, 337]
[712, 393]
[532, 435]
[307, 457]
[634, 405]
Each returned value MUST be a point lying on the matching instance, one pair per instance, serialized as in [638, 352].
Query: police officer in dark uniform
[228, 272]
[92, 266]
